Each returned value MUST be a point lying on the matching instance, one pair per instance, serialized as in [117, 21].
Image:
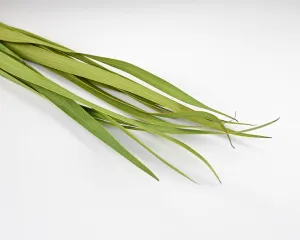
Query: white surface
[59, 182]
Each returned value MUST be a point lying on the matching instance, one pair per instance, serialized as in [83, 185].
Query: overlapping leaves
[86, 71]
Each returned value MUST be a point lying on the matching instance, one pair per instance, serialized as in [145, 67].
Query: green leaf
[194, 152]
[65, 64]
[159, 83]
[89, 123]
[17, 37]
[77, 113]
[147, 148]
[152, 80]
[198, 114]
[260, 126]
[114, 101]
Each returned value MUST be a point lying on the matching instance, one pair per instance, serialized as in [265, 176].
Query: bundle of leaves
[19, 48]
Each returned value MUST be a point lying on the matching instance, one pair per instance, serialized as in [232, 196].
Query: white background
[57, 181]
